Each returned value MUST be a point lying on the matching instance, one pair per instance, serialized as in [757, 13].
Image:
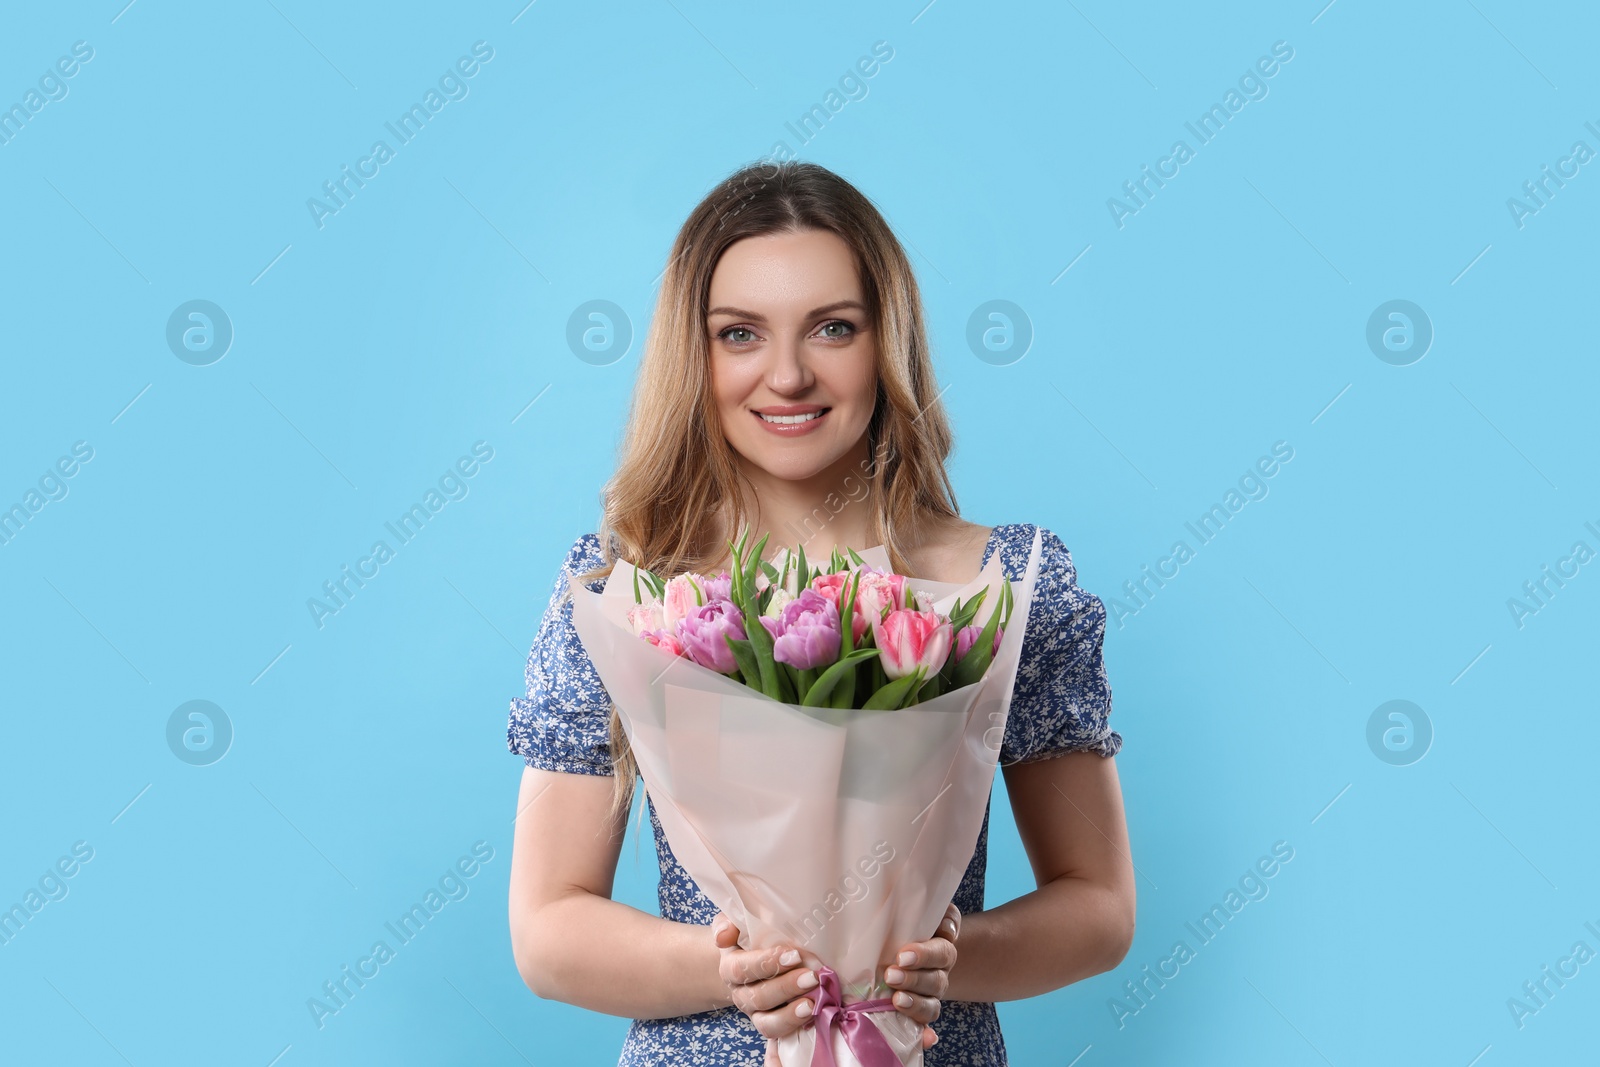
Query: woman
[787, 384]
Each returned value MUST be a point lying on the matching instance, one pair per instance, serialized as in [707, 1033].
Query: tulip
[702, 632]
[681, 596]
[832, 587]
[967, 636]
[646, 617]
[881, 591]
[805, 635]
[781, 598]
[909, 639]
[664, 639]
[718, 588]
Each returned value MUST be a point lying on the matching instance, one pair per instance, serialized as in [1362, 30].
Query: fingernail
[790, 958]
[935, 1040]
[894, 976]
[808, 980]
[902, 1000]
[907, 959]
[803, 1008]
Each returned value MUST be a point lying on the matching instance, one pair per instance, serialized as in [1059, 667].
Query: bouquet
[802, 653]
[819, 744]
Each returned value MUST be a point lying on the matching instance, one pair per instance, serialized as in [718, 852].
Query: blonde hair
[677, 472]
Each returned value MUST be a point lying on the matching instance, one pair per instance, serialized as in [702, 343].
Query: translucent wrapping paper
[842, 832]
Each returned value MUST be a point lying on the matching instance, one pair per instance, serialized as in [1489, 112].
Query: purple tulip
[702, 630]
[718, 588]
[967, 636]
[806, 633]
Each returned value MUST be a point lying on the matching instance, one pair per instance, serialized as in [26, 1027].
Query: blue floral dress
[1060, 704]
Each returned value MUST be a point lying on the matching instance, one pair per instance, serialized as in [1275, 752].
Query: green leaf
[911, 693]
[805, 571]
[890, 695]
[806, 678]
[821, 691]
[934, 686]
[844, 693]
[745, 656]
[770, 571]
[976, 661]
[636, 598]
[761, 643]
[858, 560]
[964, 613]
[789, 683]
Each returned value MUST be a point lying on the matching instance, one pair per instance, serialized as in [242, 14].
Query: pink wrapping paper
[843, 832]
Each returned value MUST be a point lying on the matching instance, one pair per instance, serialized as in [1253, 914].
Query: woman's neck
[832, 508]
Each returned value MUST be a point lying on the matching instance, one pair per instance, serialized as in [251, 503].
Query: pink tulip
[681, 596]
[880, 591]
[806, 632]
[664, 640]
[831, 586]
[702, 631]
[718, 588]
[646, 617]
[967, 636]
[909, 639]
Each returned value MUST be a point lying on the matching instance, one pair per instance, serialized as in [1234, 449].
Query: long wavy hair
[677, 473]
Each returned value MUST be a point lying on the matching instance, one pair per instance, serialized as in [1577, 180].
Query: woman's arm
[572, 942]
[1079, 922]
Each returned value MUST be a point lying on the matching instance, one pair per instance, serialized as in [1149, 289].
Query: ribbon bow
[864, 1040]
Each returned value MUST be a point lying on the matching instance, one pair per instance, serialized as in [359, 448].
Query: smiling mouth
[792, 420]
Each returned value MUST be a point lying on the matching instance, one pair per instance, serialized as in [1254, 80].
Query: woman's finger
[922, 1009]
[926, 955]
[929, 983]
[775, 992]
[783, 1021]
[744, 966]
[723, 932]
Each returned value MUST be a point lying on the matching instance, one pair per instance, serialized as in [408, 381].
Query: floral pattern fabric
[1061, 703]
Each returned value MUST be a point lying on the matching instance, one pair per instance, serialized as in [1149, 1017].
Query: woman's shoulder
[586, 554]
[1014, 542]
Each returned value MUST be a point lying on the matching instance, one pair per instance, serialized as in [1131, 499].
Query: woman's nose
[787, 370]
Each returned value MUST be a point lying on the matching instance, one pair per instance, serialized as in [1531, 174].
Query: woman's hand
[921, 974]
[769, 985]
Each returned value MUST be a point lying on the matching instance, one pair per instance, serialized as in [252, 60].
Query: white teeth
[789, 420]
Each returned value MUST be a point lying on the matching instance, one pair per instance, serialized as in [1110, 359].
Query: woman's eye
[739, 335]
[845, 329]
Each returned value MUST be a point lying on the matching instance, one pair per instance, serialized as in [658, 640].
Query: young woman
[787, 384]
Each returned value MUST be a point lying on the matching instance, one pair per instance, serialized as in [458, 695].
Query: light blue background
[1228, 314]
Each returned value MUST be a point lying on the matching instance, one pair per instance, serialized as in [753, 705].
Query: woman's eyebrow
[754, 316]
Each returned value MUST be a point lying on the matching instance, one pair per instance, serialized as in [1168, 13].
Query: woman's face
[793, 356]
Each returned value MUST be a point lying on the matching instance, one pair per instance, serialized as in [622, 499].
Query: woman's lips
[792, 429]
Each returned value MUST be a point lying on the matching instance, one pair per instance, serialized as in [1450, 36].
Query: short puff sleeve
[1062, 699]
[563, 724]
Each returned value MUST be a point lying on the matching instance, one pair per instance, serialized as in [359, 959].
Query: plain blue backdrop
[1441, 859]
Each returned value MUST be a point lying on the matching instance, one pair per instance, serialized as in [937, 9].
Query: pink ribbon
[864, 1040]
